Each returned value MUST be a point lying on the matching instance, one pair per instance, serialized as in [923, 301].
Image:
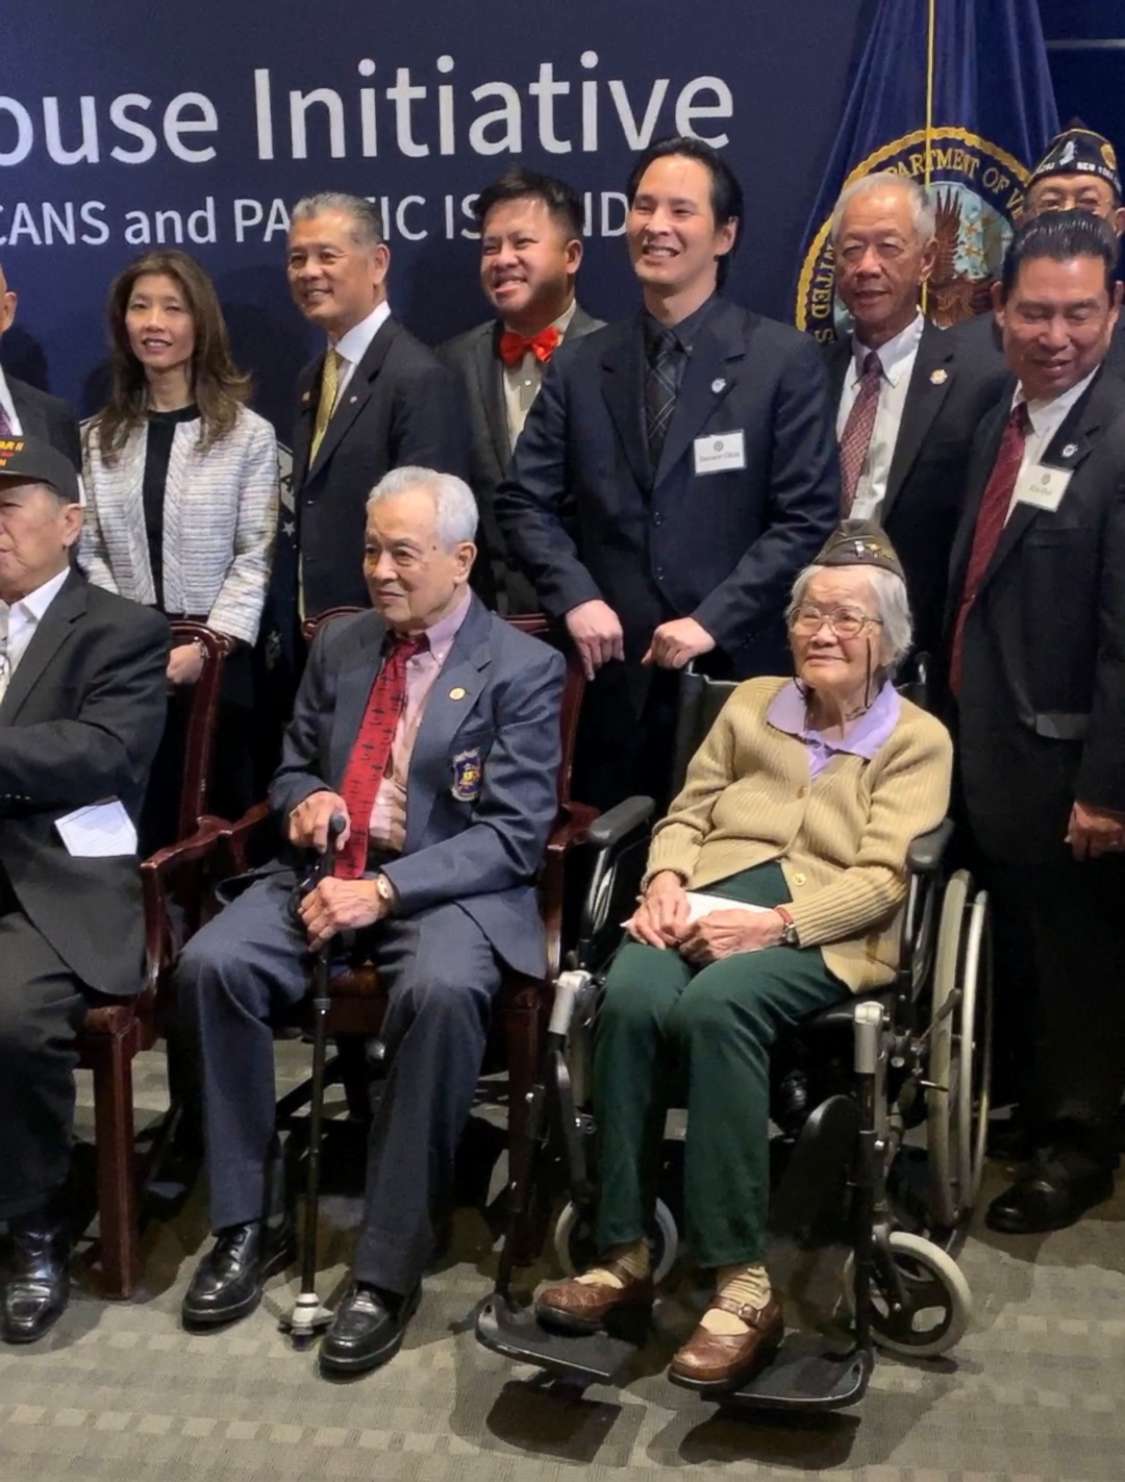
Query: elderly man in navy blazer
[674, 474]
[433, 726]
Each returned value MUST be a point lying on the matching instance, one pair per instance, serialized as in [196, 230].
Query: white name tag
[1042, 487]
[720, 453]
[99, 830]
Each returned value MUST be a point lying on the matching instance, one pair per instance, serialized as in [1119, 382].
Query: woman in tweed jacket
[181, 477]
[801, 803]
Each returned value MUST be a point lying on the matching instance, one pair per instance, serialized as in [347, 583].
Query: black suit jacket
[1041, 713]
[587, 517]
[47, 417]
[474, 357]
[400, 407]
[80, 722]
[953, 385]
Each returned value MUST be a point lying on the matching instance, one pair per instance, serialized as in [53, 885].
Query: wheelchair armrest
[926, 852]
[619, 822]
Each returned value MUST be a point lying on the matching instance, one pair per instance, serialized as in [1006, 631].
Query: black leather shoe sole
[1015, 1221]
[217, 1317]
[362, 1360]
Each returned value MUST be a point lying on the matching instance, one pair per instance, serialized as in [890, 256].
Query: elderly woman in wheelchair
[771, 891]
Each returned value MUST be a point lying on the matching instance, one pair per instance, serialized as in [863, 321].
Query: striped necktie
[662, 385]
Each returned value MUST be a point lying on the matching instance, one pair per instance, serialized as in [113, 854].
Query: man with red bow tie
[531, 250]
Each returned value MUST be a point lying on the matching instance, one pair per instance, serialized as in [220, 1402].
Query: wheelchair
[888, 1125]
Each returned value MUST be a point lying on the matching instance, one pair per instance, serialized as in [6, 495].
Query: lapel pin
[1070, 450]
[305, 399]
[456, 693]
[938, 377]
[718, 384]
[353, 398]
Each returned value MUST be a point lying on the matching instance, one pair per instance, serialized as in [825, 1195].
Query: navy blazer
[1041, 713]
[496, 702]
[587, 517]
[401, 406]
[956, 381]
[80, 722]
[47, 417]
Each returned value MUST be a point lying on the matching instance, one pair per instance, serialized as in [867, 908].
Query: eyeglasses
[845, 622]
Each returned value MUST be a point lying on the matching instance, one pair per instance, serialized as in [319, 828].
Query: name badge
[723, 452]
[1043, 487]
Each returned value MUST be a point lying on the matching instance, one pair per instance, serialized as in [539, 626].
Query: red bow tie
[513, 347]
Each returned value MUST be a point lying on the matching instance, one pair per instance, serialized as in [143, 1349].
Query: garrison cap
[1079, 151]
[860, 543]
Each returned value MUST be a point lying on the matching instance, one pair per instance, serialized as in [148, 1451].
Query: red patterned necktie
[371, 752]
[513, 347]
[991, 519]
[856, 436]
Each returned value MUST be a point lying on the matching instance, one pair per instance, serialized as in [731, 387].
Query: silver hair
[921, 206]
[455, 505]
[368, 229]
[889, 591]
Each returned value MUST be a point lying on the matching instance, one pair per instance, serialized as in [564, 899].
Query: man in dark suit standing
[374, 400]
[26, 411]
[1036, 622]
[530, 253]
[908, 396]
[433, 726]
[674, 474]
[82, 700]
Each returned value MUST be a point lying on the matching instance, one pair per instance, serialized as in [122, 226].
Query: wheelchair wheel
[574, 1241]
[959, 1064]
[938, 1300]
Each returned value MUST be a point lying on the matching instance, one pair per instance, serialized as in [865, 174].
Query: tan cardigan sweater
[841, 840]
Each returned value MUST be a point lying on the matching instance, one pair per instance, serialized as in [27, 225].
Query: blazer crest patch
[468, 773]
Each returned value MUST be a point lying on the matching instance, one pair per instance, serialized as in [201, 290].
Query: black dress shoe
[38, 1286]
[1048, 1195]
[367, 1329]
[228, 1280]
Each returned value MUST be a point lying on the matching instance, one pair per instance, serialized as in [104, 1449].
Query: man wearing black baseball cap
[82, 701]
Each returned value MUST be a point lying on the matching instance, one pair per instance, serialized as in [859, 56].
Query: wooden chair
[520, 1017]
[117, 1029]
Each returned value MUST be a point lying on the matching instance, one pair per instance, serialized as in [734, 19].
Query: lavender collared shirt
[872, 730]
[387, 828]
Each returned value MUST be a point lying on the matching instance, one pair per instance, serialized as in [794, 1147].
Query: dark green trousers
[668, 1029]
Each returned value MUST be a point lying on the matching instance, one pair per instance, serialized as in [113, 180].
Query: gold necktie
[329, 387]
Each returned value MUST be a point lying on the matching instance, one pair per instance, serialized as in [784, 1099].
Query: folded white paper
[98, 830]
[701, 904]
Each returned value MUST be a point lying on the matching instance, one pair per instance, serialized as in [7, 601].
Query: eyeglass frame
[830, 617]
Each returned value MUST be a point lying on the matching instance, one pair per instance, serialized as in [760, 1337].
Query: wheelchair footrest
[593, 1358]
[805, 1375]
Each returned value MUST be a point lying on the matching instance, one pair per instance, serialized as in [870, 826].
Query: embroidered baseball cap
[32, 461]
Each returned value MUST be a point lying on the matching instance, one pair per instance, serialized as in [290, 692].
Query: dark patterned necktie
[661, 388]
[856, 436]
[991, 519]
[371, 752]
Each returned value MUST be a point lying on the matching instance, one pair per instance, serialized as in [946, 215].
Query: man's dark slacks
[42, 1007]
[252, 962]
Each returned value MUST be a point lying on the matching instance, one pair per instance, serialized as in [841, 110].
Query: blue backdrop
[114, 111]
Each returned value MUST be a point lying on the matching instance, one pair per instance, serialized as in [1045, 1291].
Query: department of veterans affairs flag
[957, 95]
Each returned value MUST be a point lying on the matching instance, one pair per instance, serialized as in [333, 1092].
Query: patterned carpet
[1035, 1392]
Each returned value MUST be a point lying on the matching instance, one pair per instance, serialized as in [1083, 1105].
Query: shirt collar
[1047, 414]
[895, 355]
[36, 603]
[788, 713]
[686, 331]
[353, 345]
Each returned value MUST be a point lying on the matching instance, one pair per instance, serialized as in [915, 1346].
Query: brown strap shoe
[721, 1361]
[582, 1306]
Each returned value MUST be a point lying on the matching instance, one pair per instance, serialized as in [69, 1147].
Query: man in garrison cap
[1079, 172]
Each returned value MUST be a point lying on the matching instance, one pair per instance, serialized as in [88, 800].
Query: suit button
[802, 791]
[307, 503]
[658, 518]
[799, 878]
[659, 573]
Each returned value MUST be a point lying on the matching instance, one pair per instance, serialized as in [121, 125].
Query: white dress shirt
[1045, 417]
[10, 407]
[19, 620]
[354, 345]
[896, 358]
[523, 380]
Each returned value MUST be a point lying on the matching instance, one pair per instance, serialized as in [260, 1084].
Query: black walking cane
[309, 1316]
